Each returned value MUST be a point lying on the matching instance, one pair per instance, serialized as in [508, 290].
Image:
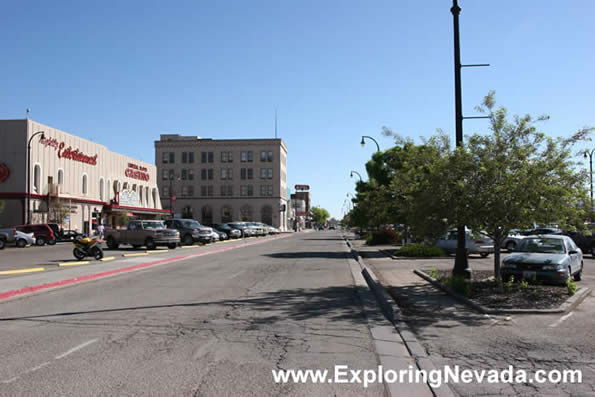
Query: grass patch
[419, 250]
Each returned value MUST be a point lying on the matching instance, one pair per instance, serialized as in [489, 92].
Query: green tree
[58, 212]
[319, 215]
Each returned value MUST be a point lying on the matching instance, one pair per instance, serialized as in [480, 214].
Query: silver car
[476, 243]
[549, 257]
[24, 239]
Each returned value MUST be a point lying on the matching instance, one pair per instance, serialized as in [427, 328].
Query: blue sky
[121, 73]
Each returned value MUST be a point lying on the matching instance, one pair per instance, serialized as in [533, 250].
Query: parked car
[43, 233]
[214, 235]
[191, 231]
[259, 230]
[512, 240]
[69, 235]
[23, 240]
[230, 231]
[150, 233]
[549, 257]
[7, 236]
[246, 230]
[585, 240]
[476, 243]
[540, 231]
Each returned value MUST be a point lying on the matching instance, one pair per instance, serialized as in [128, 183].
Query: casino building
[72, 181]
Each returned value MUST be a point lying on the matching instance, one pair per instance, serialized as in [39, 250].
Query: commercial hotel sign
[68, 152]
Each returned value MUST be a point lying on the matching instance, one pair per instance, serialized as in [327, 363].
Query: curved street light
[28, 198]
[357, 173]
[590, 154]
[363, 142]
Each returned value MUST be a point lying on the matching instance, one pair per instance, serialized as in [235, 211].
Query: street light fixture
[363, 142]
[28, 198]
[590, 154]
[357, 173]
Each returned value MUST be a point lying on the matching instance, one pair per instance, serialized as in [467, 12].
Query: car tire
[172, 246]
[484, 254]
[2, 244]
[149, 243]
[510, 246]
[40, 241]
[51, 242]
[593, 252]
[135, 246]
[188, 240]
[21, 243]
[578, 276]
[112, 243]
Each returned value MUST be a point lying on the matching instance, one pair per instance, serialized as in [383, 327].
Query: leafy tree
[319, 215]
[58, 212]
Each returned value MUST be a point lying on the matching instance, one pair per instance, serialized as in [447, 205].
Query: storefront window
[37, 179]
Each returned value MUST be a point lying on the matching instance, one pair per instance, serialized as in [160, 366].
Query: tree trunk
[497, 243]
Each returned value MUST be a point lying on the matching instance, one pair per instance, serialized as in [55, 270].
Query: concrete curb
[415, 349]
[570, 304]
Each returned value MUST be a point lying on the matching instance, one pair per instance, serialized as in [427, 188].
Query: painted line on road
[73, 263]
[35, 269]
[561, 319]
[137, 254]
[156, 251]
[79, 347]
[191, 246]
[107, 258]
[62, 283]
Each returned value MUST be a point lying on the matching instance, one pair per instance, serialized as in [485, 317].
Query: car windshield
[190, 223]
[543, 245]
[153, 225]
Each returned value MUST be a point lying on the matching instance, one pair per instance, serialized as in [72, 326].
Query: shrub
[419, 250]
[459, 284]
[434, 273]
[522, 285]
[571, 286]
[382, 237]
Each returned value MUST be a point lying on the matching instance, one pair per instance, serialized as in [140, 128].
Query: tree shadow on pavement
[338, 303]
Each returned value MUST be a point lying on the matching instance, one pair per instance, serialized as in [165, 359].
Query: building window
[246, 213]
[184, 191]
[164, 157]
[266, 190]
[37, 179]
[203, 191]
[226, 214]
[184, 175]
[227, 190]
[206, 215]
[210, 173]
[243, 157]
[270, 157]
[171, 174]
[60, 176]
[211, 157]
[226, 157]
[210, 191]
[263, 156]
[250, 157]
[270, 173]
[226, 173]
[203, 174]
[190, 175]
[84, 187]
[184, 157]
[263, 173]
[190, 157]
[250, 173]
[165, 191]
[101, 189]
[243, 190]
[164, 174]
[191, 190]
[266, 215]
[203, 157]
[243, 173]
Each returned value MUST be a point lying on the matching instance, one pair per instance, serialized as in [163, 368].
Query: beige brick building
[223, 180]
[96, 184]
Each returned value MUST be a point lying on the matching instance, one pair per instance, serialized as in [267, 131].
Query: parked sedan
[550, 257]
[476, 243]
[230, 231]
[24, 239]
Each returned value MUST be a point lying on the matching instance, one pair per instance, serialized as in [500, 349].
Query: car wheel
[135, 246]
[578, 276]
[510, 246]
[2, 244]
[484, 254]
[40, 241]
[21, 243]
[188, 240]
[51, 242]
[149, 243]
[172, 246]
[593, 252]
[111, 243]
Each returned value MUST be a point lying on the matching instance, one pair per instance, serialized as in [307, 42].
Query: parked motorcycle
[87, 247]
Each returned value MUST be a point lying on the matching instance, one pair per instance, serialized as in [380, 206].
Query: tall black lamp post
[590, 154]
[356, 173]
[363, 142]
[28, 198]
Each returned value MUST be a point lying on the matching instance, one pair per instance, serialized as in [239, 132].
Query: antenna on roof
[28, 110]
[275, 123]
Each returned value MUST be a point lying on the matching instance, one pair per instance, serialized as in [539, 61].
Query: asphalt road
[207, 326]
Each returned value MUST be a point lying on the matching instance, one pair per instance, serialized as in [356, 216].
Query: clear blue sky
[121, 73]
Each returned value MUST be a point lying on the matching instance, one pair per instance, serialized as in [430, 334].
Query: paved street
[207, 326]
[454, 334]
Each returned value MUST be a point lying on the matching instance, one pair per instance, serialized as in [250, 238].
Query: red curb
[61, 283]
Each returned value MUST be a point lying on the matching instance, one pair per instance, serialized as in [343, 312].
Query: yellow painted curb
[190, 246]
[156, 251]
[73, 263]
[137, 254]
[107, 258]
[35, 269]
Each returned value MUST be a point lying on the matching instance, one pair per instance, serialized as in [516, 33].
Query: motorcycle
[87, 247]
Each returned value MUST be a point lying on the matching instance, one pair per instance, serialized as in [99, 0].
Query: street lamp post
[590, 154]
[357, 173]
[172, 196]
[28, 198]
[363, 142]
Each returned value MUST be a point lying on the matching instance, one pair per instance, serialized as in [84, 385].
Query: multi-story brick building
[223, 180]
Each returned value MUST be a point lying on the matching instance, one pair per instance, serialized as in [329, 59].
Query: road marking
[35, 269]
[191, 246]
[156, 251]
[10, 380]
[107, 258]
[560, 320]
[79, 347]
[137, 254]
[73, 263]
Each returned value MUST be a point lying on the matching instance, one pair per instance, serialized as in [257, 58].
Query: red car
[43, 233]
